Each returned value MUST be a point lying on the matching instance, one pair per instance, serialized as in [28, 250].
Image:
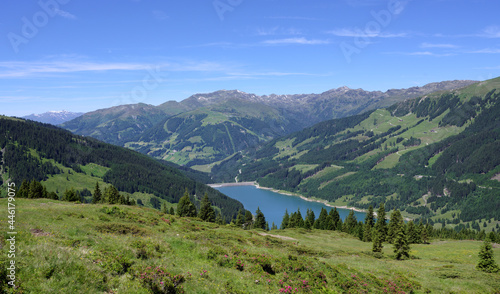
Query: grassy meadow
[82, 248]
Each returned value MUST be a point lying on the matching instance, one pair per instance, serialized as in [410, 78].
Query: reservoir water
[273, 204]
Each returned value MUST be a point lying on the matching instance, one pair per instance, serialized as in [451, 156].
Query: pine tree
[322, 221]
[310, 217]
[97, 196]
[401, 246]
[299, 219]
[335, 216]
[380, 225]
[111, 195]
[274, 227]
[164, 208]
[350, 223]
[377, 242]
[369, 223]
[394, 225]
[23, 190]
[486, 260]
[248, 219]
[207, 213]
[413, 233]
[172, 211]
[70, 195]
[286, 219]
[260, 220]
[185, 207]
[218, 219]
[240, 219]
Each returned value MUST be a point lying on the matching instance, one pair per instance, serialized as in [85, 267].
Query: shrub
[159, 280]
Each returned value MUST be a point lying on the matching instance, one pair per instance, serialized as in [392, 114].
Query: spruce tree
[486, 260]
[207, 213]
[350, 223]
[185, 207]
[260, 220]
[23, 190]
[172, 211]
[401, 246]
[218, 219]
[248, 219]
[240, 219]
[413, 233]
[286, 219]
[380, 225]
[369, 223]
[97, 196]
[111, 195]
[394, 225]
[299, 219]
[337, 222]
[377, 242]
[71, 195]
[322, 220]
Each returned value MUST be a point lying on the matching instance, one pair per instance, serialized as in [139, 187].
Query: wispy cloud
[422, 53]
[16, 69]
[298, 41]
[65, 14]
[431, 45]
[295, 18]
[486, 51]
[354, 32]
[277, 30]
[491, 32]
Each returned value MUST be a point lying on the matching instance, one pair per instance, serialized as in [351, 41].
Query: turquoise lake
[273, 204]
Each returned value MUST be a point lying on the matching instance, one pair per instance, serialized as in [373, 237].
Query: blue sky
[86, 55]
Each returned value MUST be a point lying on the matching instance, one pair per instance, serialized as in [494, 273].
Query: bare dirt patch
[39, 233]
[277, 236]
[496, 177]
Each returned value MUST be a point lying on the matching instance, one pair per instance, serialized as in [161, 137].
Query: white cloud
[16, 69]
[349, 32]
[300, 41]
[421, 53]
[430, 45]
[65, 14]
[491, 32]
[486, 51]
[277, 30]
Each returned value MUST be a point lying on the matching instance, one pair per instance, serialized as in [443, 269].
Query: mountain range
[435, 156]
[54, 117]
[207, 128]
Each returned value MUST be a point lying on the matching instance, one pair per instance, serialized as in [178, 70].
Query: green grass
[82, 248]
[304, 167]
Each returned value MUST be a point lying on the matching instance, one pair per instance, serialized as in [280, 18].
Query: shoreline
[325, 202]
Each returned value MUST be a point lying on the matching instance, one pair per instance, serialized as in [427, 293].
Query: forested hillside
[41, 152]
[207, 128]
[435, 157]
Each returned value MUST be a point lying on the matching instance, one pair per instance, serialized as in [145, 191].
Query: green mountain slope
[116, 125]
[435, 157]
[206, 128]
[67, 248]
[62, 160]
[212, 133]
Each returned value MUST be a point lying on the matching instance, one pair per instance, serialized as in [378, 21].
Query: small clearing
[278, 236]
